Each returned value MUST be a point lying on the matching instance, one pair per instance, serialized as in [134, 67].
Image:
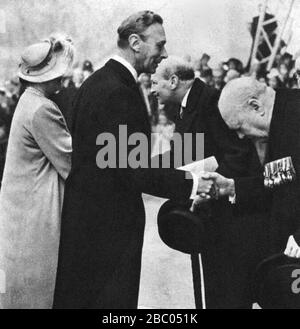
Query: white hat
[47, 60]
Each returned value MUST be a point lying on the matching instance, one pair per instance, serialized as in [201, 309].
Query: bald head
[246, 106]
[176, 66]
[172, 80]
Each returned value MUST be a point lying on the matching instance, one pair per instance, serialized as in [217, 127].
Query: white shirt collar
[185, 99]
[125, 63]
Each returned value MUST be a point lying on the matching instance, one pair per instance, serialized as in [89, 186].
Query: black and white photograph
[149, 157]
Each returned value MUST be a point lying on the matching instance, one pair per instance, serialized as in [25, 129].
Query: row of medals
[279, 172]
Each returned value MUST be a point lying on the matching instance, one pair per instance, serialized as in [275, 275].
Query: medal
[279, 172]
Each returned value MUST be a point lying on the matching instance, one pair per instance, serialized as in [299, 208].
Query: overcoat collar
[192, 109]
[127, 78]
[194, 95]
[123, 73]
[277, 126]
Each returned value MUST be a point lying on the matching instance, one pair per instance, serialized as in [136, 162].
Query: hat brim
[59, 70]
[180, 229]
[272, 286]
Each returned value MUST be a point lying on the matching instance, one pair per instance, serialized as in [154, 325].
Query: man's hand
[292, 249]
[224, 186]
[205, 186]
[199, 201]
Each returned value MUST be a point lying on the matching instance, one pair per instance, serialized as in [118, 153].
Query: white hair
[237, 93]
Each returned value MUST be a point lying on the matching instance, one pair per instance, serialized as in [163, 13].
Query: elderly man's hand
[224, 186]
[292, 249]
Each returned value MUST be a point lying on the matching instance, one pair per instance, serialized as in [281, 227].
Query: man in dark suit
[195, 108]
[196, 111]
[271, 121]
[103, 213]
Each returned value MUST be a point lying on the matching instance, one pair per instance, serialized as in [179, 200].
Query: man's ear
[174, 81]
[135, 42]
[256, 105]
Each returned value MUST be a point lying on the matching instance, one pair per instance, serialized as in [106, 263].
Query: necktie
[182, 109]
[145, 98]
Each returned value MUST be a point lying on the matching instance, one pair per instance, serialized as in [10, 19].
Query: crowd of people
[72, 217]
[282, 75]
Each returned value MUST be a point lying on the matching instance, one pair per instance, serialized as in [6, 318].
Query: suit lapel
[123, 73]
[192, 109]
[277, 126]
[127, 78]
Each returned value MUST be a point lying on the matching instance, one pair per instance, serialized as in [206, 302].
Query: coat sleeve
[51, 134]
[122, 108]
[251, 195]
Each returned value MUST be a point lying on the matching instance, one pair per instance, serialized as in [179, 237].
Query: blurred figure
[284, 76]
[262, 79]
[37, 165]
[297, 71]
[235, 64]
[87, 69]
[231, 75]
[218, 79]
[3, 101]
[201, 66]
[77, 77]
[273, 79]
[287, 59]
[207, 76]
[204, 62]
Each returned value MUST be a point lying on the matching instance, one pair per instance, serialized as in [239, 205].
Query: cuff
[232, 199]
[195, 187]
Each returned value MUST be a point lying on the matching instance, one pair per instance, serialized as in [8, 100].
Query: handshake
[214, 186]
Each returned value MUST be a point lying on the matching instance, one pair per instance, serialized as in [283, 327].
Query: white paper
[198, 167]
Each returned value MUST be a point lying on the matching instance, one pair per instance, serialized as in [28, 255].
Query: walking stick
[198, 281]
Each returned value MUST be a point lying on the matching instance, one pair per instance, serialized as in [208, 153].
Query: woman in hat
[37, 165]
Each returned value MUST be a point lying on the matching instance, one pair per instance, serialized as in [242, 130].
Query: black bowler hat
[181, 229]
[277, 283]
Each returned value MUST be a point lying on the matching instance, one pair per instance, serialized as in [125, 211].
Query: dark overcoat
[235, 240]
[103, 214]
[283, 201]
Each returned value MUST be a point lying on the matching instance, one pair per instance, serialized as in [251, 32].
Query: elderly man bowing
[271, 120]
